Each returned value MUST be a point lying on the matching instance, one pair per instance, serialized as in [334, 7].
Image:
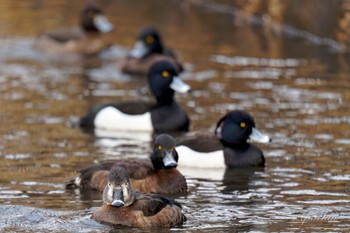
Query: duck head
[237, 127]
[164, 154]
[148, 42]
[118, 191]
[93, 20]
[163, 81]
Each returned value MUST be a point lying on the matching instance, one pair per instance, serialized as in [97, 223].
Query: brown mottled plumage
[149, 176]
[143, 177]
[147, 211]
[123, 207]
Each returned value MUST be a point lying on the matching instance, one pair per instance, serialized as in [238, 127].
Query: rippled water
[297, 91]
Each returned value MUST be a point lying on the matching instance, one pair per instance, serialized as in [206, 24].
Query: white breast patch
[203, 173]
[191, 158]
[110, 118]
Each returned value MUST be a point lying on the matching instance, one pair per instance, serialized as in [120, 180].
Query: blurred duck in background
[161, 115]
[230, 149]
[88, 39]
[147, 50]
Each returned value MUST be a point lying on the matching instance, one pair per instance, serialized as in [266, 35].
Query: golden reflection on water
[298, 94]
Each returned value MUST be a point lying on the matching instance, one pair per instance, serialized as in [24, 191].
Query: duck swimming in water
[230, 149]
[90, 38]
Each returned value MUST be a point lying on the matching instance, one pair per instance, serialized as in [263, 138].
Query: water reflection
[297, 93]
[240, 179]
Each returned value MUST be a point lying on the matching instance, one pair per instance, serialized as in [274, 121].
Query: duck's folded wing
[134, 107]
[137, 168]
[201, 142]
[96, 171]
[152, 204]
[95, 176]
[64, 35]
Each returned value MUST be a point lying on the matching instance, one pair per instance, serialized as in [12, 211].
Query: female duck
[147, 50]
[164, 115]
[231, 150]
[87, 39]
[157, 175]
[122, 207]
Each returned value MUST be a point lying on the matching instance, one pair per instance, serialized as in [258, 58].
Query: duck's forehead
[118, 176]
[116, 180]
[167, 144]
[238, 117]
[165, 141]
[166, 66]
[158, 69]
[92, 8]
[147, 32]
[144, 35]
[117, 183]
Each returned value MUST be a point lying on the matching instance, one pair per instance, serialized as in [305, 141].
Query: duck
[160, 116]
[123, 207]
[147, 50]
[229, 150]
[158, 174]
[88, 39]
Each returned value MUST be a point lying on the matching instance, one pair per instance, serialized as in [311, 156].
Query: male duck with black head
[90, 38]
[123, 207]
[147, 50]
[155, 175]
[160, 116]
[231, 150]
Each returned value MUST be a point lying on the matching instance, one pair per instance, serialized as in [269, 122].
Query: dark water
[298, 92]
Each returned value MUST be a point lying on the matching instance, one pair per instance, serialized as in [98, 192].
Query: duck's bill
[257, 136]
[139, 50]
[118, 203]
[118, 198]
[179, 85]
[102, 24]
[169, 160]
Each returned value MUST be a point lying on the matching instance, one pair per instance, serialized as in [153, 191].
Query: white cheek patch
[110, 118]
[110, 194]
[125, 192]
[191, 158]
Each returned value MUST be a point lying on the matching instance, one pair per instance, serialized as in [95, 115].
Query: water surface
[297, 91]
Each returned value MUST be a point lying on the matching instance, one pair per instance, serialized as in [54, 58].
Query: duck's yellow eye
[243, 124]
[149, 39]
[159, 147]
[165, 74]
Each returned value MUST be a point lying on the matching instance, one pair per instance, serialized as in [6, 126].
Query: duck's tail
[74, 183]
